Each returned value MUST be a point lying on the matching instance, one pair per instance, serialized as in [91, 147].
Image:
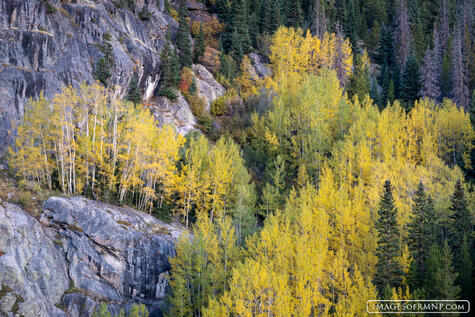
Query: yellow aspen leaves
[96, 146]
[295, 52]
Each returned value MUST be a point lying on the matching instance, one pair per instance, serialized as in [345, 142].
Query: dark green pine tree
[350, 26]
[359, 83]
[373, 93]
[386, 50]
[460, 219]
[385, 83]
[293, 13]
[410, 84]
[265, 16]
[104, 65]
[170, 66]
[340, 9]
[422, 233]
[460, 237]
[254, 22]
[240, 26]
[276, 16]
[199, 45]
[134, 94]
[236, 48]
[223, 8]
[464, 269]
[270, 16]
[388, 267]
[391, 92]
[183, 43]
[174, 69]
[440, 276]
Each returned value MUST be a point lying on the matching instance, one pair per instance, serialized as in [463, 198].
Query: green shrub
[144, 14]
[219, 106]
[105, 63]
[50, 9]
[197, 104]
[107, 36]
[25, 198]
[168, 92]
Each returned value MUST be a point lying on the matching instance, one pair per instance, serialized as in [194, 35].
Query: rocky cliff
[50, 43]
[45, 44]
[78, 254]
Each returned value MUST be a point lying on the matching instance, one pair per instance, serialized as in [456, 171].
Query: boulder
[206, 85]
[176, 113]
[260, 68]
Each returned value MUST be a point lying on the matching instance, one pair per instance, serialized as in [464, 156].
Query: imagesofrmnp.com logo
[418, 306]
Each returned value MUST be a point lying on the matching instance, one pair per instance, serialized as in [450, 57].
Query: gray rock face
[33, 270]
[41, 51]
[80, 253]
[176, 113]
[206, 85]
[260, 69]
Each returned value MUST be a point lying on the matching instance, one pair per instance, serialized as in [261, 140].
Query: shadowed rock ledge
[79, 253]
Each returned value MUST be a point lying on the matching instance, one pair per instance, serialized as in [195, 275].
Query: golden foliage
[294, 52]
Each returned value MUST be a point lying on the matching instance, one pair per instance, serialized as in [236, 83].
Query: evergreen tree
[349, 24]
[439, 281]
[410, 82]
[104, 65]
[270, 16]
[391, 96]
[254, 21]
[170, 66]
[386, 50]
[388, 267]
[460, 219]
[463, 266]
[359, 83]
[183, 43]
[174, 68]
[134, 94]
[276, 16]
[422, 232]
[374, 93]
[265, 16]
[293, 13]
[236, 49]
[385, 83]
[199, 45]
[241, 27]
[429, 80]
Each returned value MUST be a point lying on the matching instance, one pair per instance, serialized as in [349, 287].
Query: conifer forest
[329, 159]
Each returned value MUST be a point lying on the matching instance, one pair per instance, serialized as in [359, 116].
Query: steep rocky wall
[41, 51]
[79, 253]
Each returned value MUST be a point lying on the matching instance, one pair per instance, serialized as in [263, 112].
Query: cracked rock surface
[79, 253]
